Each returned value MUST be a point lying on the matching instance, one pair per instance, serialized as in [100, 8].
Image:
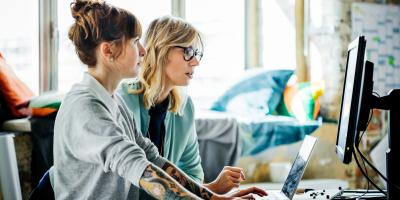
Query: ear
[106, 51]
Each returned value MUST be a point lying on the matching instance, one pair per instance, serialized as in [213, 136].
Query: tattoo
[187, 182]
[161, 186]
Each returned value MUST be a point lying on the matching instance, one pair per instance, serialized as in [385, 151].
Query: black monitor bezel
[345, 153]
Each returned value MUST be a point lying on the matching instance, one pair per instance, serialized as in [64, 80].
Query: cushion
[45, 104]
[15, 93]
[301, 101]
[258, 92]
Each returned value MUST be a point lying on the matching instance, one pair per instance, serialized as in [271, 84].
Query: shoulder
[186, 111]
[82, 103]
[125, 91]
[127, 86]
[187, 104]
[80, 96]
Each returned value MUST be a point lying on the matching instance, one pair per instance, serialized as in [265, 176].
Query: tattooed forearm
[187, 182]
[161, 186]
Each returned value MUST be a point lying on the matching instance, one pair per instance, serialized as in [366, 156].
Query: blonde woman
[163, 113]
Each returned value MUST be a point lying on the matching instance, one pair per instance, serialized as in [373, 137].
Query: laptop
[296, 172]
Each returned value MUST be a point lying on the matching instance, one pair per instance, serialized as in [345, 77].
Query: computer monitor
[357, 101]
[350, 106]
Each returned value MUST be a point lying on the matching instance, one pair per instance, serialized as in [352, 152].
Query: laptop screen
[298, 167]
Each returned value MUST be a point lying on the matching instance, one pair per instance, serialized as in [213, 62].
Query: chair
[9, 178]
[44, 189]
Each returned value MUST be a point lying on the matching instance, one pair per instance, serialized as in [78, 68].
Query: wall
[328, 32]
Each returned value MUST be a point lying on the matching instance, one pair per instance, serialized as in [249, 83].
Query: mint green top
[180, 143]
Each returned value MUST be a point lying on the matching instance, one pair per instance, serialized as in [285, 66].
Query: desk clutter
[339, 193]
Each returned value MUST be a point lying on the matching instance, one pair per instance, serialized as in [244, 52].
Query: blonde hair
[162, 35]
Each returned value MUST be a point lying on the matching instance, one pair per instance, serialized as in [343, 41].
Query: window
[145, 11]
[222, 25]
[19, 40]
[70, 67]
[278, 34]
[221, 22]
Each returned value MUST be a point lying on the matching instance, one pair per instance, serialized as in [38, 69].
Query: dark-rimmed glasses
[189, 53]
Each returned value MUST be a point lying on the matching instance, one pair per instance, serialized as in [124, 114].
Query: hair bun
[79, 7]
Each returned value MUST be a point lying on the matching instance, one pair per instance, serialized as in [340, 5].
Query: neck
[107, 78]
[164, 94]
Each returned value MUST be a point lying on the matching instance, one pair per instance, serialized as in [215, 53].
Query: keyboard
[274, 195]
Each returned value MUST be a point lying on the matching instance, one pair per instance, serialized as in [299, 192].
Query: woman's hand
[248, 193]
[229, 178]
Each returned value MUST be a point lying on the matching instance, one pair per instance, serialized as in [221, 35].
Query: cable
[358, 163]
[365, 167]
[362, 155]
[366, 171]
[367, 177]
[359, 141]
[370, 164]
[365, 159]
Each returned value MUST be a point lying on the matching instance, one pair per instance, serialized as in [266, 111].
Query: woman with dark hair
[98, 152]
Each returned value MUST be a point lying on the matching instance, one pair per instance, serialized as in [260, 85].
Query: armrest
[17, 125]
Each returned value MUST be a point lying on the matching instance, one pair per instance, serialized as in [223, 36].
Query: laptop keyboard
[274, 195]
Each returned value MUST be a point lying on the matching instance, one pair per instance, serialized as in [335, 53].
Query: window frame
[49, 39]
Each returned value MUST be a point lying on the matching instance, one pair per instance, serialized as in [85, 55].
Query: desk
[9, 178]
[322, 184]
[317, 184]
[361, 194]
[331, 185]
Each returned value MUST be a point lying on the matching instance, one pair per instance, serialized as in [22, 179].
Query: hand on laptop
[229, 178]
[248, 193]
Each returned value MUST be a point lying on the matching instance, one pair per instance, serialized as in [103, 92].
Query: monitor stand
[391, 102]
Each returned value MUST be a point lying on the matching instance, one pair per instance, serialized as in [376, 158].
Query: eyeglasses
[189, 53]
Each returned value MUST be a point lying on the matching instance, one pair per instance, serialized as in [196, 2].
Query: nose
[194, 62]
[142, 50]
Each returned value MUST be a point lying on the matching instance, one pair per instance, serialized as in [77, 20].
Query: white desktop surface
[317, 184]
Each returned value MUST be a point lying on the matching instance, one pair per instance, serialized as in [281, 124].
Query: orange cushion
[301, 101]
[14, 92]
[289, 96]
[45, 104]
[42, 112]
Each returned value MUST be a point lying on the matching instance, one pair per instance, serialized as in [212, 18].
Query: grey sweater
[98, 152]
